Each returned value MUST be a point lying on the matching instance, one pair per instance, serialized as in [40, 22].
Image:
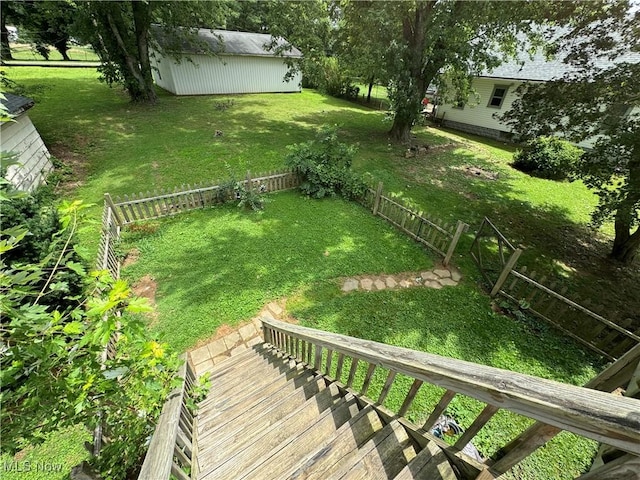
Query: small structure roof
[15, 104]
[227, 42]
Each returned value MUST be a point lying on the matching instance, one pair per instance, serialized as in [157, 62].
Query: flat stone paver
[275, 309]
[349, 285]
[247, 332]
[391, 282]
[232, 340]
[433, 284]
[442, 273]
[380, 285]
[200, 355]
[456, 276]
[366, 284]
[428, 276]
[216, 348]
[448, 282]
[405, 283]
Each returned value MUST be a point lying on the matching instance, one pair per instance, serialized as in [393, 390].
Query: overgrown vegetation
[548, 157]
[57, 321]
[325, 164]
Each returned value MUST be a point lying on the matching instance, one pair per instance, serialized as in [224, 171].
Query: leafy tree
[598, 100]
[423, 41]
[120, 33]
[307, 25]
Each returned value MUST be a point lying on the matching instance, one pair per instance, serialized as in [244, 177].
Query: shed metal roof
[15, 104]
[227, 42]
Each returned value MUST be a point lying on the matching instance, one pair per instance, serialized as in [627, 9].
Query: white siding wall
[22, 138]
[480, 114]
[163, 76]
[227, 74]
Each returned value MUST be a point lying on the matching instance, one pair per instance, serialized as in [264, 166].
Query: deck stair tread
[268, 416]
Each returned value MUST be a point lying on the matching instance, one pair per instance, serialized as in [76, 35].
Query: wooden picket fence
[497, 259]
[110, 234]
[439, 236]
[150, 205]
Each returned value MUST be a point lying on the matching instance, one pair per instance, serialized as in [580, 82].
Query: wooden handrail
[600, 416]
[159, 461]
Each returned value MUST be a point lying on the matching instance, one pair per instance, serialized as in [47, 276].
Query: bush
[548, 157]
[325, 164]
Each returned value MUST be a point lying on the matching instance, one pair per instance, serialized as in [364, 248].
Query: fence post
[462, 227]
[376, 202]
[505, 272]
[107, 198]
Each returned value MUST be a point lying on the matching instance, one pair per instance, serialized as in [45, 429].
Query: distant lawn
[25, 51]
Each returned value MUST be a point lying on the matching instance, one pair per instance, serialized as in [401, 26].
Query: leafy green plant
[547, 157]
[52, 372]
[250, 197]
[325, 164]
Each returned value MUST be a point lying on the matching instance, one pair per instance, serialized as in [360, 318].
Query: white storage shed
[20, 137]
[243, 64]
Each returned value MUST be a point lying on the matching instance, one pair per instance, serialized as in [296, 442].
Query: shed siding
[229, 74]
[163, 76]
[22, 138]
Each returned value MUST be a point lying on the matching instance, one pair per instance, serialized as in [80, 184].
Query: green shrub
[325, 164]
[547, 157]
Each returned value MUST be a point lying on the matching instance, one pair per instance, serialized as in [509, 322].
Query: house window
[497, 97]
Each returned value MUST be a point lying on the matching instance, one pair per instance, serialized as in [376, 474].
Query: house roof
[540, 68]
[227, 42]
[15, 104]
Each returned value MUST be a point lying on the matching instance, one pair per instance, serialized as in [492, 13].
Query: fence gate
[494, 255]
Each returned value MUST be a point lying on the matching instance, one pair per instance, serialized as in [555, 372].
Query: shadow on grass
[223, 265]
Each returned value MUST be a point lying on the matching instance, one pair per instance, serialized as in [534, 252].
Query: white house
[242, 64]
[496, 92]
[20, 137]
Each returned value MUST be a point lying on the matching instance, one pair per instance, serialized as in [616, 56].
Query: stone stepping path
[437, 278]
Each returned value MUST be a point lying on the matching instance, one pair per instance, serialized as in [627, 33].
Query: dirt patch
[73, 161]
[132, 257]
[477, 172]
[146, 287]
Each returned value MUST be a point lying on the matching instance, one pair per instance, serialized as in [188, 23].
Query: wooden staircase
[292, 404]
[286, 421]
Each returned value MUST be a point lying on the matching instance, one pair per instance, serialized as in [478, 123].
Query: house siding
[226, 75]
[22, 138]
[476, 117]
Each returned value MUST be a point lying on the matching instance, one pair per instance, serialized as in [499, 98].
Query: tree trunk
[142, 23]
[62, 47]
[407, 109]
[625, 244]
[131, 67]
[370, 88]
[5, 49]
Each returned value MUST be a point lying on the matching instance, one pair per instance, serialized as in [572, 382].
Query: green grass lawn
[221, 265]
[24, 51]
